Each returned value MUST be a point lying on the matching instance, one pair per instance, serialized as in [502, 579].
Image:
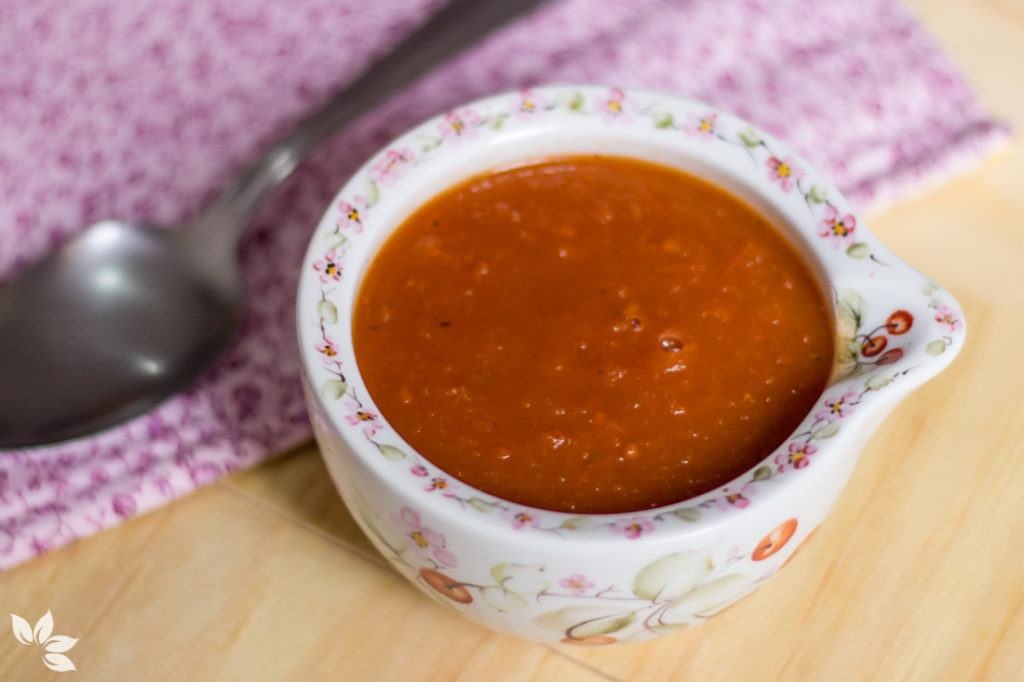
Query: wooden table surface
[917, 574]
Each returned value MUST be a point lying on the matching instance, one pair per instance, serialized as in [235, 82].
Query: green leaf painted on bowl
[749, 138]
[848, 351]
[574, 101]
[581, 621]
[372, 192]
[671, 576]
[525, 579]
[817, 195]
[849, 371]
[500, 599]
[708, 598]
[687, 514]
[481, 505]
[429, 142]
[762, 473]
[328, 311]
[333, 389]
[877, 382]
[858, 250]
[498, 572]
[602, 626]
[390, 451]
[936, 347]
[498, 120]
[578, 523]
[335, 239]
[852, 304]
[662, 119]
[825, 431]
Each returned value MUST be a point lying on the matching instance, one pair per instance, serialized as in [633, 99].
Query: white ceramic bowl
[598, 579]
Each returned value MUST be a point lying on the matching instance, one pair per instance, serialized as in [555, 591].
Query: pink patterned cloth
[147, 109]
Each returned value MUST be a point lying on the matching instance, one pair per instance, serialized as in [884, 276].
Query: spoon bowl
[114, 322]
[126, 314]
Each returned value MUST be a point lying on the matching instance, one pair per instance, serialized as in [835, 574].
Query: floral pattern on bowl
[667, 595]
[783, 170]
[597, 579]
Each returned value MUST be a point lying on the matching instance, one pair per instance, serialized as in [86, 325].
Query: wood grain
[222, 588]
[918, 574]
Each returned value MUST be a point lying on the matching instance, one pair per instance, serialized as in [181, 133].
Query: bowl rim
[807, 200]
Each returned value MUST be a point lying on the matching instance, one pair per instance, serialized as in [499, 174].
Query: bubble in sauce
[670, 343]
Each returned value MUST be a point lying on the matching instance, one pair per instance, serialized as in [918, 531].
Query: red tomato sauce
[591, 334]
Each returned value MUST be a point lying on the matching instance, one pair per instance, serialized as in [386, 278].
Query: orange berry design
[448, 587]
[774, 541]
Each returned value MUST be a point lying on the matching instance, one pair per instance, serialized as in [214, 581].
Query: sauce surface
[591, 334]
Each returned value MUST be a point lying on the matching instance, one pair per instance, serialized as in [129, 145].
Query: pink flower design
[445, 485]
[426, 542]
[329, 349]
[948, 317]
[798, 456]
[784, 171]
[391, 166]
[329, 267]
[350, 215]
[612, 106]
[361, 416]
[576, 582]
[838, 229]
[735, 498]
[419, 470]
[124, 505]
[634, 527]
[702, 126]
[522, 518]
[459, 124]
[529, 103]
[837, 409]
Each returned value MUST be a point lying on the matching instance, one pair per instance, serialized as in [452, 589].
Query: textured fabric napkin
[147, 109]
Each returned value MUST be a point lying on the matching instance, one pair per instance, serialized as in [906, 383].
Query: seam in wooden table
[379, 561]
[308, 527]
[583, 664]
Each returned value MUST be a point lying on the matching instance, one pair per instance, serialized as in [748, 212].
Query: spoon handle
[457, 26]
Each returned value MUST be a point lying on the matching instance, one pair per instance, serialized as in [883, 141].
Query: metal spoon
[125, 315]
